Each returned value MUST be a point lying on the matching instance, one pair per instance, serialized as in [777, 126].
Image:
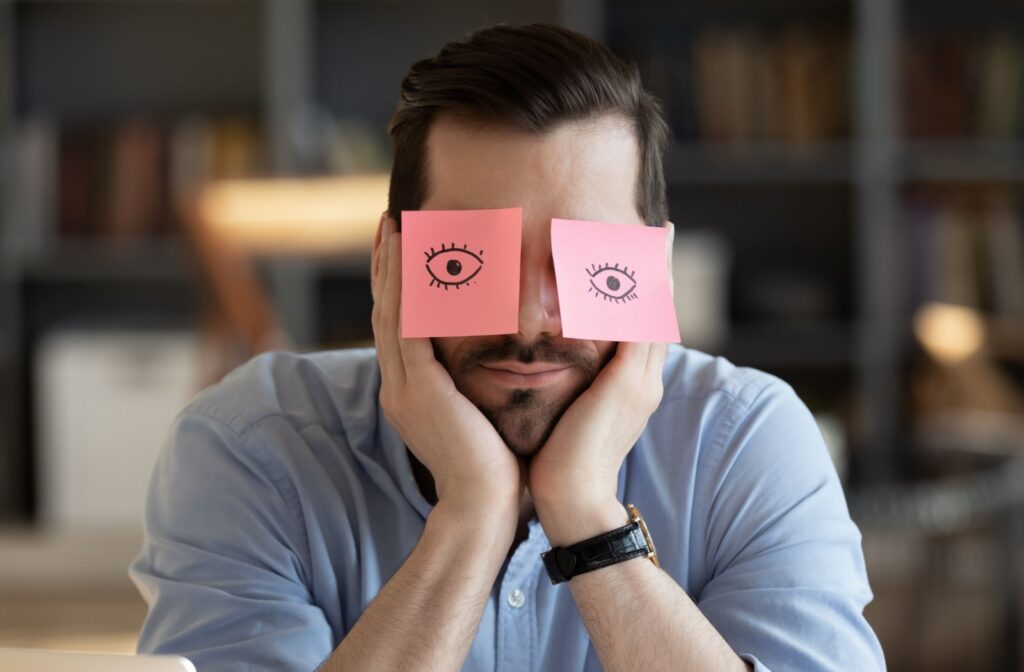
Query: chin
[526, 419]
[523, 415]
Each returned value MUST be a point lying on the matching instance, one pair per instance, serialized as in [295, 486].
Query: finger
[375, 253]
[656, 359]
[380, 228]
[417, 354]
[412, 350]
[639, 371]
[629, 362]
[634, 355]
[378, 276]
[381, 257]
[391, 304]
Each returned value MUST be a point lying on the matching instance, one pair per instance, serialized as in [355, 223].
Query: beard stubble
[526, 418]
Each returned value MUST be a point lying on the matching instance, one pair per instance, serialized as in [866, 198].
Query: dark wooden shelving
[111, 260]
[809, 346]
[968, 161]
[766, 164]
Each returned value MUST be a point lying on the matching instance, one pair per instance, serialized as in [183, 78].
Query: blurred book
[28, 214]
[744, 84]
[1000, 96]
[966, 251]
[123, 181]
[137, 201]
[956, 84]
[788, 87]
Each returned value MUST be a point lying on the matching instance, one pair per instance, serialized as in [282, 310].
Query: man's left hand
[574, 477]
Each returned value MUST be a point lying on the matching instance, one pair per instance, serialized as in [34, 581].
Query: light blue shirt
[283, 501]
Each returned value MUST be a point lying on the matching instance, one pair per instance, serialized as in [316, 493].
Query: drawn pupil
[613, 283]
[454, 267]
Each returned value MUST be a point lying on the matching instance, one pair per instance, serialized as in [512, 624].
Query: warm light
[308, 215]
[949, 333]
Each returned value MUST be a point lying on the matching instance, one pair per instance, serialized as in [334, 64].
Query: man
[387, 509]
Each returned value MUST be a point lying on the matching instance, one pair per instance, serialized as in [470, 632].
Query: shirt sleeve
[787, 584]
[224, 560]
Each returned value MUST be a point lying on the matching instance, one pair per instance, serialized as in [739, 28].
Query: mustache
[544, 350]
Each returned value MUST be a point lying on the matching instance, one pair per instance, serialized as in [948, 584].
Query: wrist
[568, 522]
[489, 520]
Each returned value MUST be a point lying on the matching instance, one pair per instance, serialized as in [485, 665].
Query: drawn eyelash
[454, 271]
[614, 279]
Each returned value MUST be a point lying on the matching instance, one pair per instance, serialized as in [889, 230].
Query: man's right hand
[471, 465]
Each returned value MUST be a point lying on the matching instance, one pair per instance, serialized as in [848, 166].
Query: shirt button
[516, 599]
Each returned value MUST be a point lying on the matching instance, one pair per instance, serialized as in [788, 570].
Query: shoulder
[721, 416]
[692, 377]
[327, 388]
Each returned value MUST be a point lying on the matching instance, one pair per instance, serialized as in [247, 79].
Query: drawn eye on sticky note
[453, 266]
[460, 272]
[613, 281]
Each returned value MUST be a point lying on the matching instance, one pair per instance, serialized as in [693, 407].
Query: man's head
[546, 119]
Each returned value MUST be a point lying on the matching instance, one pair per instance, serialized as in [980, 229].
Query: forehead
[577, 170]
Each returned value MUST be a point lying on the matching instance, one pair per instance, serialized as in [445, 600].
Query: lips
[516, 375]
[525, 369]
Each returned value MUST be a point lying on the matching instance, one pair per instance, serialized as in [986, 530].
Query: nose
[538, 299]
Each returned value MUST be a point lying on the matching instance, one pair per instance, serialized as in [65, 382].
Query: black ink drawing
[453, 266]
[613, 283]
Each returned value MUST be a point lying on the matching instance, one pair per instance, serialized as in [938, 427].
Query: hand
[574, 477]
[470, 463]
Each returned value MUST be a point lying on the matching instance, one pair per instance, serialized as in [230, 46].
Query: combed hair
[532, 78]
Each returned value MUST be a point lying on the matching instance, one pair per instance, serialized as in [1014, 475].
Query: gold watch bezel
[635, 517]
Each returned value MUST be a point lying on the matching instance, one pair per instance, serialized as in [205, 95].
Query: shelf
[997, 160]
[105, 260]
[777, 164]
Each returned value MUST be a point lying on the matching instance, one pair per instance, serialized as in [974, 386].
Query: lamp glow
[950, 334]
[318, 215]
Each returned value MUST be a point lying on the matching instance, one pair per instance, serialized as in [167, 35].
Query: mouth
[518, 375]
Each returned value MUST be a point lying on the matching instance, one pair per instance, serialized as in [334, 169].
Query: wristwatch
[632, 540]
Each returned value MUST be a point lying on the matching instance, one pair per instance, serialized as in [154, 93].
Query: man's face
[580, 170]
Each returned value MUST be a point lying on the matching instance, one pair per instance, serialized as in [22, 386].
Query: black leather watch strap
[624, 543]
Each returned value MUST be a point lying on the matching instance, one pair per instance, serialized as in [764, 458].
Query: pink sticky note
[460, 272]
[613, 282]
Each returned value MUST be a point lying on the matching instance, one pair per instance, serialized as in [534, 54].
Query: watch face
[652, 552]
[647, 537]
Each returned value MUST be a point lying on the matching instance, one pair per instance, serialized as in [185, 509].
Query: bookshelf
[809, 188]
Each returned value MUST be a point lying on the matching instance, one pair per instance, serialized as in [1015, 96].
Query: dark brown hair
[532, 78]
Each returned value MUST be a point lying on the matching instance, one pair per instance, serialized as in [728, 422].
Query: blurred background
[186, 183]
